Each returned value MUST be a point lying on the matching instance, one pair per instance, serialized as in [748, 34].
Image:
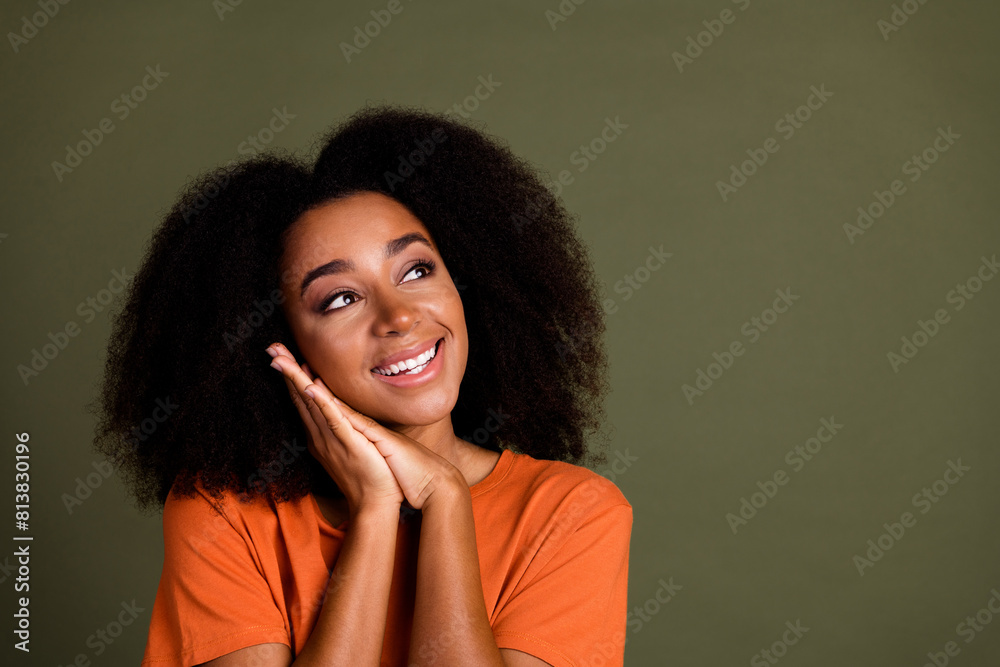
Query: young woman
[380, 371]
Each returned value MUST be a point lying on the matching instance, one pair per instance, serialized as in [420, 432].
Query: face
[364, 287]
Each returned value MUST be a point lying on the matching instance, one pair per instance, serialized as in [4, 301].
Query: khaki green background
[656, 184]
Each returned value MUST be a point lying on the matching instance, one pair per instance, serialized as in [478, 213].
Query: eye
[328, 302]
[427, 265]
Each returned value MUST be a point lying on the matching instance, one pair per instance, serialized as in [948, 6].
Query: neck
[439, 437]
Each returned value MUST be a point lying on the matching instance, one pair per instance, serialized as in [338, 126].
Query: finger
[344, 422]
[292, 391]
[362, 423]
[355, 418]
[289, 367]
[358, 419]
[333, 412]
[283, 351]
[303, 409]
[279, 348]
[297, 381]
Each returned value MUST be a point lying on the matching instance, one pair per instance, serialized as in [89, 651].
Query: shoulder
[568, 477]
[203, 517]
[559, 487]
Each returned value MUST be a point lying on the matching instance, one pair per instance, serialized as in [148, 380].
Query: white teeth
[411, 366]
[416, 370]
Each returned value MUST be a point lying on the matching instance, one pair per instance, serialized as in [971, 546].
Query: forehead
[358, 224]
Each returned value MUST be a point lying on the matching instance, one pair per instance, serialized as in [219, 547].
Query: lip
[411, 353]
[429, 373]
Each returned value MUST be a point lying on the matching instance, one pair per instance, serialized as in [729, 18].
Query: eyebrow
[392, 248]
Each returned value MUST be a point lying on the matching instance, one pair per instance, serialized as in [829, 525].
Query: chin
[427, 413]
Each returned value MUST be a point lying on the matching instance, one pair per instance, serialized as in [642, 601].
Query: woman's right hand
[354, 463]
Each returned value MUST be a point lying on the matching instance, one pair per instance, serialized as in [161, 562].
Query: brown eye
[325, 306]
[425, 264]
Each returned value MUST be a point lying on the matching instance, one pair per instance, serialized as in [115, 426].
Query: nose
[396, 315]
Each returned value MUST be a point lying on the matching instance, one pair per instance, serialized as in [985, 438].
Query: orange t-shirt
[553, 542]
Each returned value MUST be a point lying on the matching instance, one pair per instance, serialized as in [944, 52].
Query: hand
[356, 466]
[421, 473]
[417, 470]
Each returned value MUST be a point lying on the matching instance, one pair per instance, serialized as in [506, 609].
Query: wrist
[453, 491]
[376, 514]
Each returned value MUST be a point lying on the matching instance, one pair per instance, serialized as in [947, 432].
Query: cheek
[325, 353]
[456, 320]
[448, 309]
[332, 357]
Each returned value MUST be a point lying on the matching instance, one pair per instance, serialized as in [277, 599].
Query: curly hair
[188, 393]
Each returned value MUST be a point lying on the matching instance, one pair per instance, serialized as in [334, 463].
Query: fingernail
[310, 393]
[275, 365]
[272, 351]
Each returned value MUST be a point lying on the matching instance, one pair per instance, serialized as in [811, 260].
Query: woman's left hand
[419, 471]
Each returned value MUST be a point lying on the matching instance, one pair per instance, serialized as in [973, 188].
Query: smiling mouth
[410, 366]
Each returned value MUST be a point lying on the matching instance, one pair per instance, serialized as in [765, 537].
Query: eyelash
[429, 264]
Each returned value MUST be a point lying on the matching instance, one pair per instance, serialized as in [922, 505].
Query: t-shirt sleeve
[212, 598]
[570, 607]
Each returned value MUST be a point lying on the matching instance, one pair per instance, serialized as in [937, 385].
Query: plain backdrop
[748, 135]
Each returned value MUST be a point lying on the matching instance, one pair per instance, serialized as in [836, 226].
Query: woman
[415, 283]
